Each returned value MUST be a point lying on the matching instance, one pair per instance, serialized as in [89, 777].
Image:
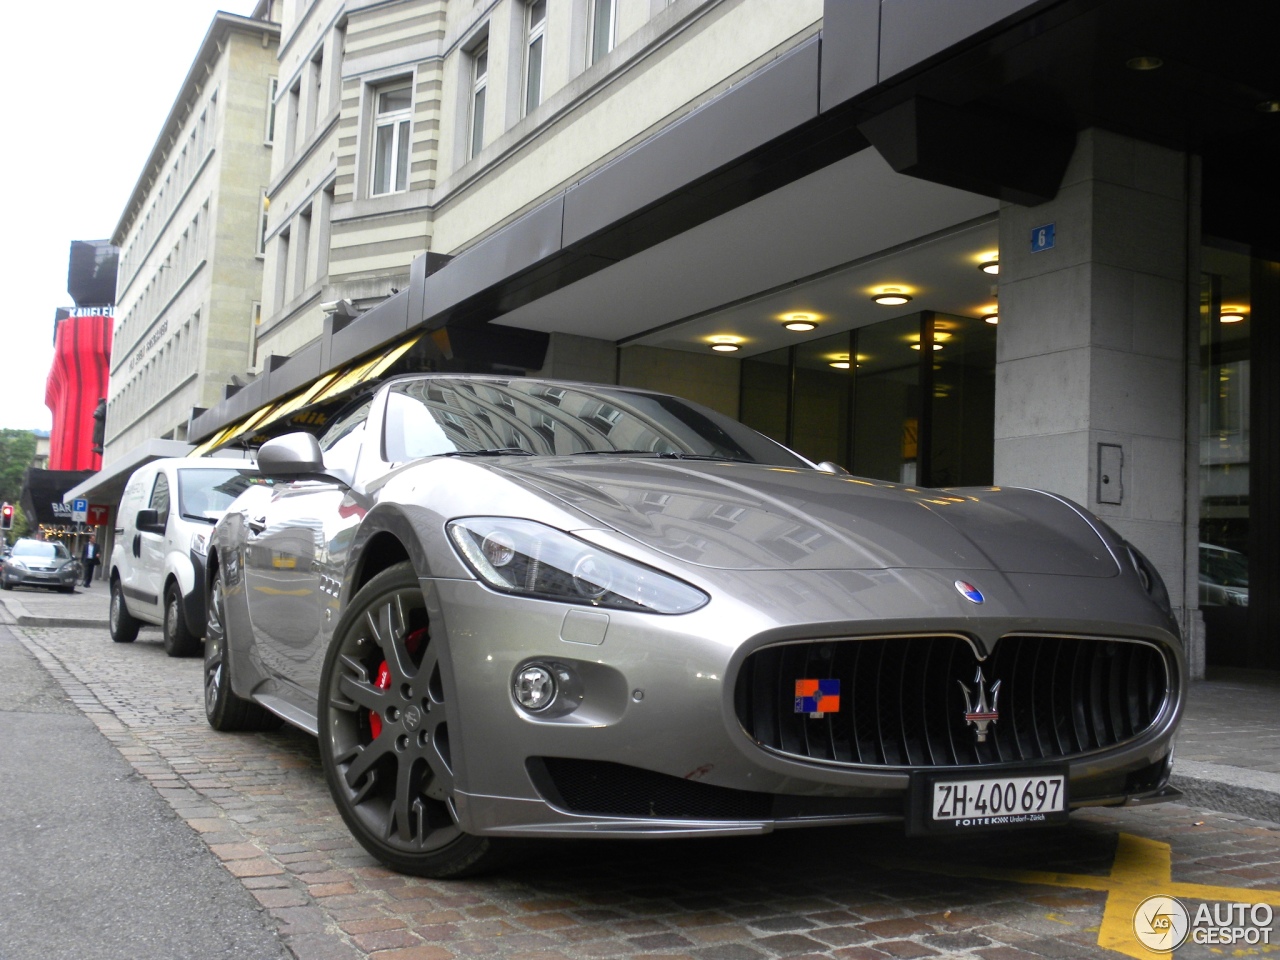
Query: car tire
[179, 641]
[124, 629]
[222, 708]
[385, 746]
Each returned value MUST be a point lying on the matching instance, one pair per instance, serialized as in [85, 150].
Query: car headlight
[533, 560]
[17, 565]
[199, 544]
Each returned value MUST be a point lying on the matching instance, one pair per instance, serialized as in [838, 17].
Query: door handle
[137, 545]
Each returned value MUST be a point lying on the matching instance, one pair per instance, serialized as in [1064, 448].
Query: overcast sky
[90, 83]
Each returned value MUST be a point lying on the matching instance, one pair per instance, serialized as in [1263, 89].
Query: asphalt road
[93, 863]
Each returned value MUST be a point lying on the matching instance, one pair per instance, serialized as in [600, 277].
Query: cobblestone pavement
[260, 804]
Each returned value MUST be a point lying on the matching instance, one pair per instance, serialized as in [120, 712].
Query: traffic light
[6, 517]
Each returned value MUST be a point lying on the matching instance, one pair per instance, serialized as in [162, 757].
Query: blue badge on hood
[969, 591]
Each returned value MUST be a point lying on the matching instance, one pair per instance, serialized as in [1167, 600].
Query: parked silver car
[40, 563]
[515, 607]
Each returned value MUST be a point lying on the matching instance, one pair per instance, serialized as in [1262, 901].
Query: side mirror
[826, 466]
[148, 521]
[290, 456]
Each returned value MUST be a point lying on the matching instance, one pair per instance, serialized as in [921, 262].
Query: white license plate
[1011, 801]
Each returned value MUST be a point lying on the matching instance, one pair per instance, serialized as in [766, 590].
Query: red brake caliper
[383, 680]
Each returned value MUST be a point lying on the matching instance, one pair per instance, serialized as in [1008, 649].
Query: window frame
[400, 121]
[594, 53]
[534, 37]
[273, 90]
[478, 71]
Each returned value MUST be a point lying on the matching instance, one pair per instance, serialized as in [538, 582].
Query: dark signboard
[91, 272]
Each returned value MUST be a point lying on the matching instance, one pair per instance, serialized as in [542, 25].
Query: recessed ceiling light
[991, 318]
[725, 343]
[839, 364]
[1144, 63]
[891, 297]
[800, 322]
[1230, 316]
[916, 346]
[991, 266]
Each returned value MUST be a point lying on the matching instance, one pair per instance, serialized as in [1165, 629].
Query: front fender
[419, 530]
[187, 570]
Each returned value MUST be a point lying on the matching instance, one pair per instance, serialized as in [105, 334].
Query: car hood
[746, 516]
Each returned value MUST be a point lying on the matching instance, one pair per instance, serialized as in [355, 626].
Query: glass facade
[1225, 439]
[875, 401]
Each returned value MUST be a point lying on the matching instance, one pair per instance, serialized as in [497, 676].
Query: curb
[19, 615]
[1252, 793]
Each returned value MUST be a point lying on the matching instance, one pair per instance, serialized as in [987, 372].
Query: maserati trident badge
[981, 713]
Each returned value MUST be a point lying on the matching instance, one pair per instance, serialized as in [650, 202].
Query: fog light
[534, 687]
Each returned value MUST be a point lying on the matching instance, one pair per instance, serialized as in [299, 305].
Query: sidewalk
[1228, 749]
[32, 607]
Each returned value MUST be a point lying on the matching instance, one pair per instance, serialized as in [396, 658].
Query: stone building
[190, 269]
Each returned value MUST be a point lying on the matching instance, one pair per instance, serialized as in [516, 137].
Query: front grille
[902, 705]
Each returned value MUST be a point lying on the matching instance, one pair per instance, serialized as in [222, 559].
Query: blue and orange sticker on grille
[817, 697]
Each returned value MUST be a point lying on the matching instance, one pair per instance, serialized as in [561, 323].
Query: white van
[166, 516]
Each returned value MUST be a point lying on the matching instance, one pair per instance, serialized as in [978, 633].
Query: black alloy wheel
[222, 708]
[384, 734]
[124, 629]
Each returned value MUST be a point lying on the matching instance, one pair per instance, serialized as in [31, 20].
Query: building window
[314, 90]
[603, 14]
[537, 13]
[391, 139]
[263, 206]
[301, 235]
[273, 85]
[283, 265]
[294, 107]
[479, 84]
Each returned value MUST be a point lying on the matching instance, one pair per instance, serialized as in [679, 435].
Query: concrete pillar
[1091, 369]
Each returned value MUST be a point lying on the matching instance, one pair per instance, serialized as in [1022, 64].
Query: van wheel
[124, 629]
[178, 640]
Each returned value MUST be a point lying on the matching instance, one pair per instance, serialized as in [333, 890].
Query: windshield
[206, 493]
[41, 550]
[437, 416]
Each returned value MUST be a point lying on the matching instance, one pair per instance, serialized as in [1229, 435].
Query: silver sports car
[515, 608]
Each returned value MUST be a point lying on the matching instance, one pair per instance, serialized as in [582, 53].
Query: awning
[327, 387]
[364, 371]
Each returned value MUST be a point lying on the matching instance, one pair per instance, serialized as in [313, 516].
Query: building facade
[190, 263]
[1023, 242]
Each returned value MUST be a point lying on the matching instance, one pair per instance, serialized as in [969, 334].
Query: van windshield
[205, 494]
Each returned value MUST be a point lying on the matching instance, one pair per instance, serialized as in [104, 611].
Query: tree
[17, 450]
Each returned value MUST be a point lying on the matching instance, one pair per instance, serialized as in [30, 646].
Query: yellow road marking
[1141, 868]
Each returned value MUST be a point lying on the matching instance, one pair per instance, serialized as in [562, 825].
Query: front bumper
[67, 576]
[648, 742]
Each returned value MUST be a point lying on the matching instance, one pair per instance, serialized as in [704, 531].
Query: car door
[149, 550]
